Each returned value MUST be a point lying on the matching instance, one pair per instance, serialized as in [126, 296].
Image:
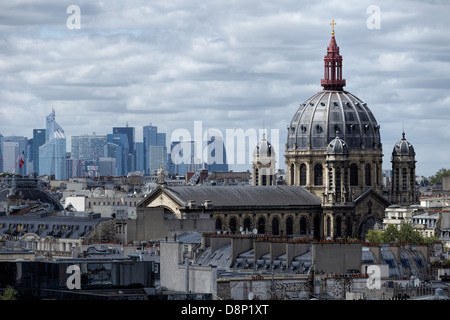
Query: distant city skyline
[230, 66]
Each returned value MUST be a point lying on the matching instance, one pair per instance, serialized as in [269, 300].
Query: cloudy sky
[229, 64]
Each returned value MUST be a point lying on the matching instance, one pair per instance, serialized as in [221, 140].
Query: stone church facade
[333, 158]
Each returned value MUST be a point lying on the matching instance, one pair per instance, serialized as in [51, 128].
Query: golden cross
[332, 25]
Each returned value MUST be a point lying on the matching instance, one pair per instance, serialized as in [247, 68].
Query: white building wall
[202, 279]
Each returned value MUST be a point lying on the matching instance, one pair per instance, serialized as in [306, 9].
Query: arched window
[404, 175]
[338, 184]
[261, 225]
[367, 175]
[292, 174]
[317, 233]
[256, 177]
[328, 226]
[303, 174]
[377, 174]
[348, 227]
[218, 224]
[353, 174]
[318, 174]
[275, 226]
[303, 226]
[289, 226]
[233, 225]
[247, 224]
[412, 178]
[397, 179]
[338, 226]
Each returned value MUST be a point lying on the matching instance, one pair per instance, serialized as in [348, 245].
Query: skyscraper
[216, 159]
[88, 147]
[38, 140]
[129, 132]
[182, 157]
[139, 156]
[52, 154]
[117, 147]
[152, 137]
[13, 148]
[157, 158]
[10, 153]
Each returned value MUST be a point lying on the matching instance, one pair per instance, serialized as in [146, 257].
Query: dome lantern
[333, 66]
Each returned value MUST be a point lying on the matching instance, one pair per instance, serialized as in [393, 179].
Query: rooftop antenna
[264, 131]
[403, 131]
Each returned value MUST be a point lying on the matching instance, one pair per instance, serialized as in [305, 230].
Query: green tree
[374, 236]
[437, 177]
[409, 235]
[8, 294]
[390, 234]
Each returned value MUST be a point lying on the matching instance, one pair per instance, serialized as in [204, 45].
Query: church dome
[318, 119]
[403, 148]
[337, 146]
[332, 110]
[263, 149]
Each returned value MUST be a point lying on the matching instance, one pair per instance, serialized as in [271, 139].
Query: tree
[437, 177]
[390, 234]
[409, 235]
[375, 236]
[406, 234]
[8, 294]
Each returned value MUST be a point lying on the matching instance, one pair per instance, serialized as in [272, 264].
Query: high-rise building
[182, 158]
[14, 148]
[152, 137]
[216, 160]
[117, 147]
[157, 156]
[130, 133]
[88, 147]
[38, 140]
[52, 154]
[75, 168]
[107, 166]
[139, 156]
[10, 154]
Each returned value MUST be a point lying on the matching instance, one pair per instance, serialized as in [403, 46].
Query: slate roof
[232, 196]
[69, 227]
[30, 190]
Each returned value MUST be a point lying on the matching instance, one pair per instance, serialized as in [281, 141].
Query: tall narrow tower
[315, 124]
[403, 188]
[263, 164]
[333, 66]
[338, 169]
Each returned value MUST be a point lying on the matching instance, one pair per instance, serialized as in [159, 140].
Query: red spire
[333, 66]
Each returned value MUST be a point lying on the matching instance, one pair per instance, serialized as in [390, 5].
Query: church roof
[332, 110]
[317, 120]
[403, 147]
[232, 196]
[337, 146]
[264, 148]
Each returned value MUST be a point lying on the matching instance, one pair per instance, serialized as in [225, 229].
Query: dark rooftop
[226, 196]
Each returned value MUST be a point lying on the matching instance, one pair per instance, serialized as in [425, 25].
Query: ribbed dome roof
[319, 118]
[403, 148]
[337, 146]
[264, 148]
